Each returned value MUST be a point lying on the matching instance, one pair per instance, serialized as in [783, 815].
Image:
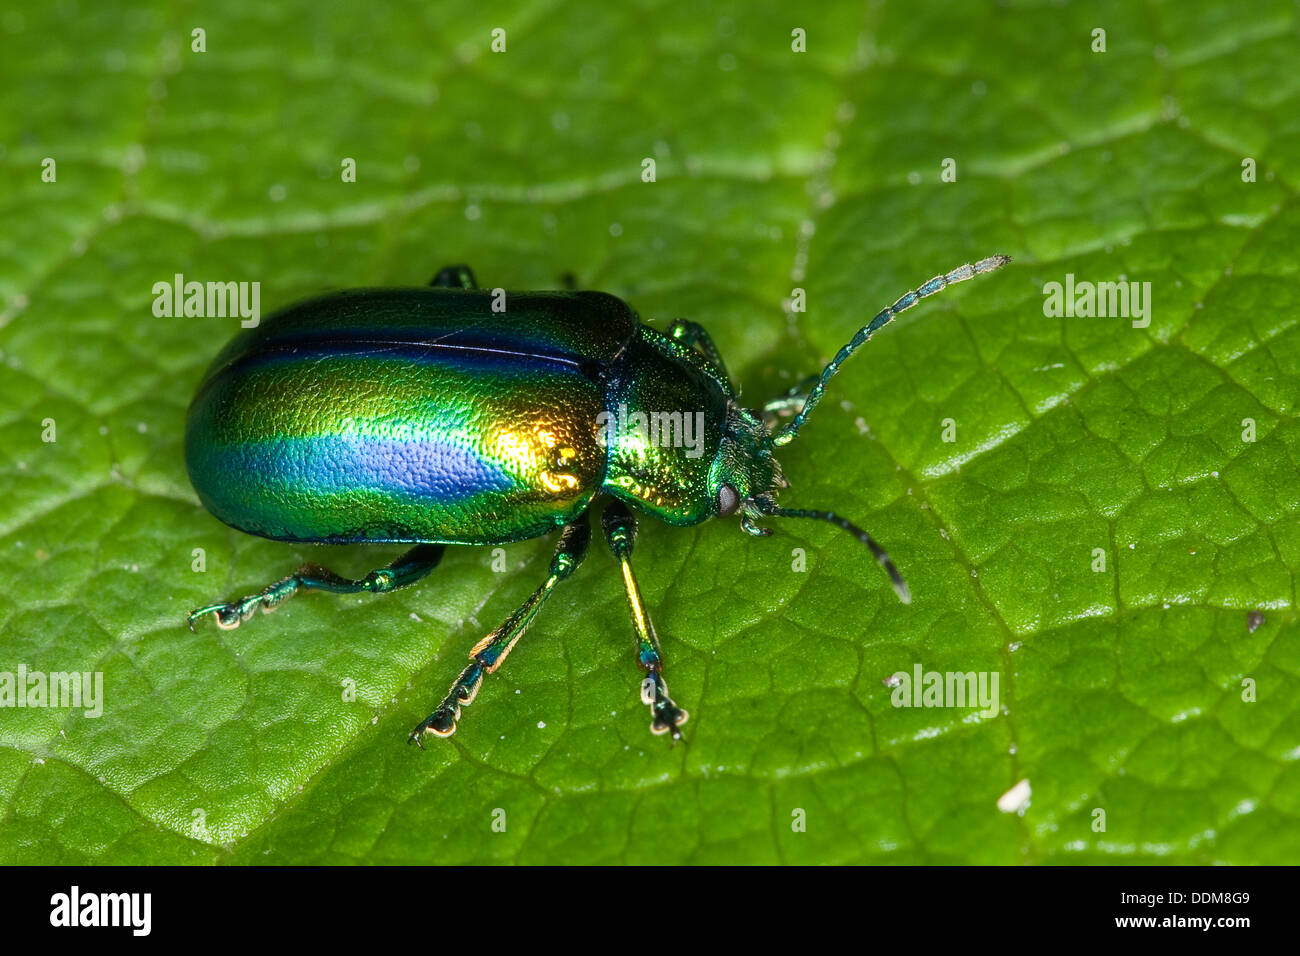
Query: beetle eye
[728, 501]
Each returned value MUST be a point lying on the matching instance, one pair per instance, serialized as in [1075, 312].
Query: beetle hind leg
[490, 653]
[666, 717]
[407, 569]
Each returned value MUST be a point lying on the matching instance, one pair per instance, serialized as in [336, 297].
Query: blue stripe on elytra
[435, 470]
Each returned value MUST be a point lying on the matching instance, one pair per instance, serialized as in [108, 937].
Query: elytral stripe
[438, 470]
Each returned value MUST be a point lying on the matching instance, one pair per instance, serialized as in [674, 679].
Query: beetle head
[746, 477]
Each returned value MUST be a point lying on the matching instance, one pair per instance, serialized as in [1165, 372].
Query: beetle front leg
[619, 525]
[693, 335]
[407, 569]
[455, 277]
[490, 653]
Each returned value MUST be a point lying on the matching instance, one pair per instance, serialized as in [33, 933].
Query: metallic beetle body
[458, 415]
[422, 415]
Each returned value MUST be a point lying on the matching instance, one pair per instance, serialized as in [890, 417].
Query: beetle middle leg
[787, 403]
[490, 653]
[407, 569]
[619, 525]
[455, 277]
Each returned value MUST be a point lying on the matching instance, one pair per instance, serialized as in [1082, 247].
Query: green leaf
[1139, 690]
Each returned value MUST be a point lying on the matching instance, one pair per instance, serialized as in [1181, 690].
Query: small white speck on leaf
[1016, 799]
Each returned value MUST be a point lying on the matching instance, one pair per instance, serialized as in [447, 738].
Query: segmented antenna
[896, 579]
[786, 433]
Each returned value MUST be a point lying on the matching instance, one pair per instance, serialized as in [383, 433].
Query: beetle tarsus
[229, 616]
[668, 720]
[665, 715]
[441, 723]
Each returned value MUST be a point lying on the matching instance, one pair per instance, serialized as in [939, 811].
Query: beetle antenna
[787, 433]
[882, 557]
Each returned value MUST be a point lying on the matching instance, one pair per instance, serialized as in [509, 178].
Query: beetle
[452, 414]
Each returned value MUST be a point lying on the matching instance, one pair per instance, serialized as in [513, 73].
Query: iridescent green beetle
[460, 415]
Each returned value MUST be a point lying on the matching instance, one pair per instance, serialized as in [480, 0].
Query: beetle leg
[407, 569]
[455, 277]
[787, 403]
[693, 335]
[490, 653]
[619, 525]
